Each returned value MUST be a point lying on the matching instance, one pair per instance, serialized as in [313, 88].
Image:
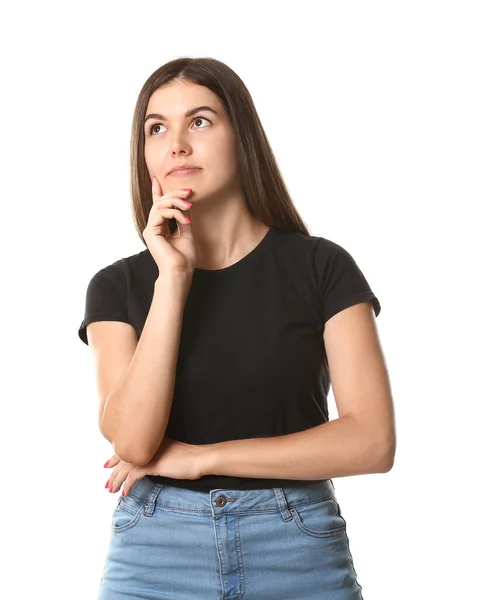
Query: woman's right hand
[171, 253]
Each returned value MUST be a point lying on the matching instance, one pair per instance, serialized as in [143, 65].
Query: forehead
[175, 98]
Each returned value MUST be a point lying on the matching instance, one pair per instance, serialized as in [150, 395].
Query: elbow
[377, 451]
[387, 455]
[386, 465]
[130, 456]
[124, 453]
[125, 449]
[104, 431]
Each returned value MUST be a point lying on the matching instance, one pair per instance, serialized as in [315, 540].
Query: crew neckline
[250, 256]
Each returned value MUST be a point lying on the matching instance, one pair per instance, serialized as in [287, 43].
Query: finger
[117, 478]
[172, 213]
[118, 475]
[111, 462]
[157, 192]
[133, 476]
[113, 474]
[111, 480]
[170, 202]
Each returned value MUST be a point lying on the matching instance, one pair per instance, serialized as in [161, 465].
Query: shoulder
[120, 270]
[328, 250]
[296, 241]
[330, 257]
[310, 242]
[321, 251]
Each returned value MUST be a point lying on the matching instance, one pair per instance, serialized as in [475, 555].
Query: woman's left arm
[363, 438]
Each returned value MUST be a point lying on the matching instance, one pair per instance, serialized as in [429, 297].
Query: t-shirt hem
[230, 483]
[100, 316]
[350, 301]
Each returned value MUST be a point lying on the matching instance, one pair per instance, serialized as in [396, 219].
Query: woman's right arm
[137, 411]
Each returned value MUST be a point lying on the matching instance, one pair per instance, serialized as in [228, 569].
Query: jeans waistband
[223, 501]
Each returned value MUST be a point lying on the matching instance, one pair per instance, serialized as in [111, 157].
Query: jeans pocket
[127, 513]
[319, 519]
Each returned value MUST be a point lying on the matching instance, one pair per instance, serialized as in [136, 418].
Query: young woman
[215, 348]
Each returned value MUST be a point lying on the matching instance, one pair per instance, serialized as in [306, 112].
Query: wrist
[169, 284]
[209, 459]
[182, 278]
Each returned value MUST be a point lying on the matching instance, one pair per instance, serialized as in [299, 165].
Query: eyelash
[150, 127]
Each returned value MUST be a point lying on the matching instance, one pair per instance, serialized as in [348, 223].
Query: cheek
[148, 159]
[222, 168]
[154, 161]
[223, 156]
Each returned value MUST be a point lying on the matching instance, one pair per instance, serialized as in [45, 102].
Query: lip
[184, 172]
[184, 169]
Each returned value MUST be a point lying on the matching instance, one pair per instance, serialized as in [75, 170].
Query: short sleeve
[341, 282]
[105, 298]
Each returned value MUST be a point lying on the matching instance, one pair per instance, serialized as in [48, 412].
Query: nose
[178, 150]
[178, 141]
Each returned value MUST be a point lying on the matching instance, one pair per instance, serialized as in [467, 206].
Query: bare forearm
[339, 448]
[136, 413]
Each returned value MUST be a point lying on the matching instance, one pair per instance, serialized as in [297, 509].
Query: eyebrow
[189, 113]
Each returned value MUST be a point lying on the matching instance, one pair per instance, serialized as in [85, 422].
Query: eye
[150, 128]
[200, 119]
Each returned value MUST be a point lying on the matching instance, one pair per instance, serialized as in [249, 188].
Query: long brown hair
[263, 186]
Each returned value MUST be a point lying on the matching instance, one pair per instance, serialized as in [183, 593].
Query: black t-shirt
[252, 360]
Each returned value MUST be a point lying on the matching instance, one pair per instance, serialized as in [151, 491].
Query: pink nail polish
[106, 484]
[106, 463]
[111, 488]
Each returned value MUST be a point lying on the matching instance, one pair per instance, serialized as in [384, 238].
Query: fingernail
[106, 463]
[111, 488]
[188, 203]
[153, 179]
[123, 493]
[187, 189]
[106, 484]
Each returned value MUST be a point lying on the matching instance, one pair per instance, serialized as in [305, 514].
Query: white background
[375, 112]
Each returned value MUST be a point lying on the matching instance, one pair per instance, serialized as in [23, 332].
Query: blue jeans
[271, 544]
